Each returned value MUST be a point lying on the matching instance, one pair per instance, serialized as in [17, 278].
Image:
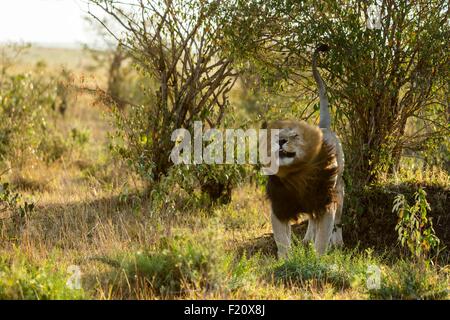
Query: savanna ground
[92, 213]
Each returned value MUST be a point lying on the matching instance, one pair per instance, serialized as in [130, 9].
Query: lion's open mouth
[285, 154]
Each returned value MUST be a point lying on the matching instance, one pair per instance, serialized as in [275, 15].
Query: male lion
[309, 179]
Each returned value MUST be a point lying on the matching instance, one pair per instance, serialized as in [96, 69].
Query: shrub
[189, 187]
[216, 181]
[414, 227]
[52, 148]
[14, 211]
[64, 91]
[277, 38]
[368, 219]
[79, 137]
[54, 145]
[26, 104]
[13, 203]
[29, 105]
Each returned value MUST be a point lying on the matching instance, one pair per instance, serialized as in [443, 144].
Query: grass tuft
[23, 279]
[173, 266]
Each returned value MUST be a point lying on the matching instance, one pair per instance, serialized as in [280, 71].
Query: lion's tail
[325, 117]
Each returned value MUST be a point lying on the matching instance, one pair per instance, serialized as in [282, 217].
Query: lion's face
[290, 142]
[297, 141]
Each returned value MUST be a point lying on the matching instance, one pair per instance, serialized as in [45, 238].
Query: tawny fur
[308, 184]
[309, 179]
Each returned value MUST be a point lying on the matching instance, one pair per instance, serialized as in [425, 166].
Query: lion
[309, 179]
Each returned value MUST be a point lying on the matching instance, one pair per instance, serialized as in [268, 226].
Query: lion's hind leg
[336, 238]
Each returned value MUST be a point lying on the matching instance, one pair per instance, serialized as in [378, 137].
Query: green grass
[174, 265]
[409, 280]
[338, 268]
[185, 266]
[350, 270]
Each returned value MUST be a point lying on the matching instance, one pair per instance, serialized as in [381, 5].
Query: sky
[51, 22]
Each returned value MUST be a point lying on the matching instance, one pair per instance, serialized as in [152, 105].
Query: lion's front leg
[324, 230]
[282, 235]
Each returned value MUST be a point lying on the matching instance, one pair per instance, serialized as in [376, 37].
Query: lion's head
[298, 143]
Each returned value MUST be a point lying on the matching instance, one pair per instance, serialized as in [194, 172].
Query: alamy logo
[373, 17]
[74, 281]
[373, 280]
[250, 146]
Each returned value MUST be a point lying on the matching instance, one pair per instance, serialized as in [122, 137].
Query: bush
[29, 105]
[368, 219]
[13, 203]
[14, 211]
[415, 229]
[55, 145]
[130, 142]
[52, 148]
[189, 187]
[64, 91]
[27, 102]
[215, 181]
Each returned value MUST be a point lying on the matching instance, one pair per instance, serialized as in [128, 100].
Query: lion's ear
[264, 125]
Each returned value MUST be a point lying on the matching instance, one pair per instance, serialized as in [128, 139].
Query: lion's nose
[281, 142]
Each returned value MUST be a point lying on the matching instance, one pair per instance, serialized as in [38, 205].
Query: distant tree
[64, 90]
[107, 54]
[115, 76]
[9, 54]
